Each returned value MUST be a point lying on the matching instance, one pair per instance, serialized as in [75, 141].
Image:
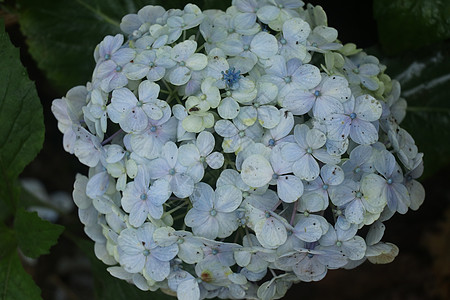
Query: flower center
[288, 79]
[338, 243]
[390, 181]
[231, 77]
[182, 63]
[309, 150]
[118, 69]
[241, 133]
[325, 187]
[359, 195]
[214, 251]
[357, 170]
[352, 116]
[213, 212]
[316, 93]
[153, 128]
[283, 41]
[180, 241]
[146, 252]
[356, 70]
[271, 142]
[172, 171]
[143, 196]
[275, 176]
[107, 56]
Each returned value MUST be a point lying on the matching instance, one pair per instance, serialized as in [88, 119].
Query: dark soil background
[421, 271]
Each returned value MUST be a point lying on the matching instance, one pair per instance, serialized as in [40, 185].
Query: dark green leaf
[8, 242]
[15, 283]
[35, 236]
[410, 24]
[62, 34]
[108, 287]
[425, 79]
[22, 126]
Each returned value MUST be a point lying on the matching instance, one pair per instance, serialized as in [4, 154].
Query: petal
[256, 171]
[368, 108]
[268, 116]
[264, 45]
[332, 174]
[306, 168]
[228, 198]
[363, 132]
[289, 188]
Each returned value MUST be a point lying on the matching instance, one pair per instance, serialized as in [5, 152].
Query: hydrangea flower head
[235, 153]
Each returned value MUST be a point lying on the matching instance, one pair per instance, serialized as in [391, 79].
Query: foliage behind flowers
[235, 153]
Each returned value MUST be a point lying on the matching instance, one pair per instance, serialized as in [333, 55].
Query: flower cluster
[235, 153]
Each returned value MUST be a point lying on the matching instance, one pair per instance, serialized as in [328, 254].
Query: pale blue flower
[140, 198]
[138, 253]
[169, 168]
[213, 214]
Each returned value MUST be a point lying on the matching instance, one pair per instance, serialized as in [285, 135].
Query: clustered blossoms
[232, 154]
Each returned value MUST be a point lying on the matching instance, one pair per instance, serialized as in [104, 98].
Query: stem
[276, 205]
[184, 35]
[175, 209]
[111, 137]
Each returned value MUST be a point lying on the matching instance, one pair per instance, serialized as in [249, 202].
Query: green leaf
[410, 24]
[425, 79]
[62, 35]
[15, 283]
[8, 242]
[35, 236]
[22, 125]
[108, 287]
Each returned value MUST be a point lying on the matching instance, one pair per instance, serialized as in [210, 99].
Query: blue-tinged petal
[271, 233]
[306, 168]
[227, 198]
[268, 116]
[354, 212]
[325, 157]
[205, 143]
[188, 155]
[338, 127]
[179, 76]
[289, 188]
[182, 185]
[225, 128]
[309, 229]
[203, 197]
[264, 45]
[148, 91]
[97, 185]
[188, 290]
[134, 120]
[315, 139]
[354, 248]
[310, 269]
[298, 101]
[332, 174]
[398, 198]
[306, 76]
[196, 218]
[363, 132]
[291, 152]
[228, 223]
[215, 160]
[256, 171]
[367, 108]
[385, 163]
[165, 253]
[208, 229]
[156, 269]
[158, 168]
[197, 61]
[326, 106]
[138, 213]
[248, 115]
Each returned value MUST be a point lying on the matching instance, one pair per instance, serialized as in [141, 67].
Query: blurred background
[56, 42]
